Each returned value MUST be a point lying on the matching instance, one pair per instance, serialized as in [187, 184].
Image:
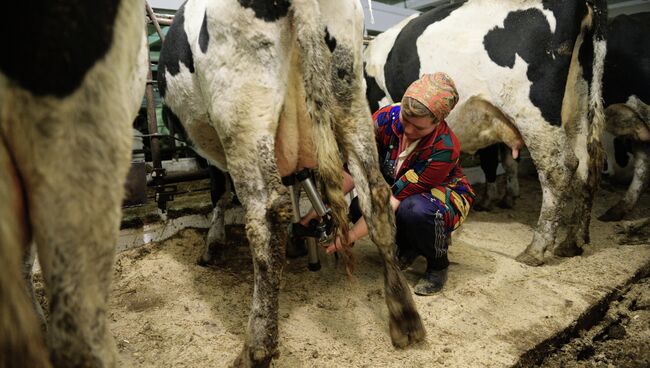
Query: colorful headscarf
[435, 91]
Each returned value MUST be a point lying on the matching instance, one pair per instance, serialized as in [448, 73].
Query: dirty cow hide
[72, 77]
[523, 69]
[264, 89]
[626, 90]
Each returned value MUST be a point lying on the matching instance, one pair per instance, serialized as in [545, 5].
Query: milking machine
[318, 232]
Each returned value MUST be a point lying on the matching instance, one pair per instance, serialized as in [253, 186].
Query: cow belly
[477, 123]
[206, 141]
[294, 147]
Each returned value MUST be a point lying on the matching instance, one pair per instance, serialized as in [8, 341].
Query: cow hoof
[212, 255]
[408, 331]
[484, 206]
[616, 213]
[507, 202]
[567, 249]
[203, 261]
[634, 232]
[530, 260]
[248, 359]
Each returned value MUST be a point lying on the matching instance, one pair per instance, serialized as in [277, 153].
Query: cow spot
[527, 33]
[180, 47]
[175, 50]
[374, 94]
[204, 36]
[329, 40]
[402, 64]
[267, 10]
[66, 49]
[524, 32]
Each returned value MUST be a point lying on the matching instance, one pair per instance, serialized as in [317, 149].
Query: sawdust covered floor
[168, 312]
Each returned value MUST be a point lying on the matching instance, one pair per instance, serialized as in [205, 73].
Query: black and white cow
[626, 91]
[264, 89]
[72, 77]
[535, 66]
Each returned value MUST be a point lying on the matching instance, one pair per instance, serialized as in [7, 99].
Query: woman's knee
[414, 211]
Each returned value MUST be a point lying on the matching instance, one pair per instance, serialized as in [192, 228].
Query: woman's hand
[337, 245]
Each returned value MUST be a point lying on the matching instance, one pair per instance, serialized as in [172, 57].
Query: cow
[535, 66]
[626, 88]
[626, 93]
[72, 77]
[264, 89]
[626, 84]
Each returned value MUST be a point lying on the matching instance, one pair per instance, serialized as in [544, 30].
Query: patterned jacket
[433, 164]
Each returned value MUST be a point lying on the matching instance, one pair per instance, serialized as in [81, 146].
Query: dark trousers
[418, 221]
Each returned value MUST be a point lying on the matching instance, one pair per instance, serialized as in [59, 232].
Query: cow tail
[316, 66]
[598, 32]
[596, 113]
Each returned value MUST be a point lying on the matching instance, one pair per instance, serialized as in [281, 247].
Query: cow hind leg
[75, 155]
[404, 320]
[631, 119]
[640, 180]
[578, 229]
[374, 199]
[489, 157]
[571, 245]
[510, 165]
[216, 238]
[266, 204]
[75, 209]
[21, 342]
[547, 224]
[579, 204]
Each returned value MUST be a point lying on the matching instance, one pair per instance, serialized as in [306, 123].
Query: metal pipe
[164, 16]
[165, 22]
[313, 262]
[425, 4]
[166, 150]
[153, 125]
[294, 191]
[152, 121]
[172, 133]
[154, 20]
[314, 197]
[164, 19]
[177, 178]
